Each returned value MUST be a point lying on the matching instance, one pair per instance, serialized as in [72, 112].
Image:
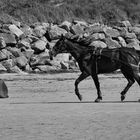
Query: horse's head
[59, 47]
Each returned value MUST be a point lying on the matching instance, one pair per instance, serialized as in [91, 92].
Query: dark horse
[93, 61]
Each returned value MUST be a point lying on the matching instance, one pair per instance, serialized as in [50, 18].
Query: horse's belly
[107, 66]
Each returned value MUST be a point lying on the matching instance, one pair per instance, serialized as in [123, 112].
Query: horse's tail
[138, 52]
[129, 56]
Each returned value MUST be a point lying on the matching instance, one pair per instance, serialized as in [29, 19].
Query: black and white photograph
[69, 69]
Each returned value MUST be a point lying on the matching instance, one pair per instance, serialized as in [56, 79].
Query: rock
[16, 69]
[17, 23]
[81, 23]
[3, 89]
[135, 30]
[55, 32]
[15, 30]
[24, 43]
[2, 68]
[130, 35]
[122, 41]
[97, 36]
[28, 53]
[133, 43]
[64, 66]
[62, 57]
[15, 51]
[47, 69]
[111, 32]
[5, 27]
[33, 38]
[39, 46]
[8, 38]
[98, 44]
[27, 30]
[28, 68]
[95, 28]
[112, 43]
[65, 25]
[50, 45]
[126, 23]
[2, 43]
[8, 64]
[41, 59]
[76, 29]
[3, 54]
[123, 31]
[39, 31]
[21, 61]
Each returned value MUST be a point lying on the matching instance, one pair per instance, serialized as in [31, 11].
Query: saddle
[98, 52]
[106, 52]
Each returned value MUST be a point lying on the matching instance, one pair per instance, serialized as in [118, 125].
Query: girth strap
[97, 53]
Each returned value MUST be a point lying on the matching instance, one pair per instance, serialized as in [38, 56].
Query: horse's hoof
[98, 100]
[122, 98]
[79, 97]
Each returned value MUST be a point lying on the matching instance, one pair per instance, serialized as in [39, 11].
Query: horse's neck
[75, 49]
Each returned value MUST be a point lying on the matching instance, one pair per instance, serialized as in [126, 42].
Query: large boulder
[77, 29]
[55, 32]
[98, 44]
[97, 36]
[3, 89]
[111, 32]
[130, 35]
[65, 57]
[65, 25]
[39, 31]
[21, 61]
[4, 54]
[41, 59]
[8, 38]
[28, 53]
[8, 64]
[15, 30]
[126, 23]
[133, 43]
[24, 43]
[112, 43]
[121, 41]
[14, 51]
[135, 30]
[39, 46]
[95, 28]
[27, 30]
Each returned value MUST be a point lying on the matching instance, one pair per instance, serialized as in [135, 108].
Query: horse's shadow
[91, 102]
[77, 102]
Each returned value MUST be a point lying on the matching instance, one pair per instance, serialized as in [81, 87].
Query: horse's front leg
[82, 76]
[97, 84]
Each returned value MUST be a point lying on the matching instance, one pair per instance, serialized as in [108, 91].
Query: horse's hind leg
[131, 81]
[78, 80]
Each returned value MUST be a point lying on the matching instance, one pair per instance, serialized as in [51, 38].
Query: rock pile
[24, 48]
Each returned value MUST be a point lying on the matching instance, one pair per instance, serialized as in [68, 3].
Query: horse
[94, 61]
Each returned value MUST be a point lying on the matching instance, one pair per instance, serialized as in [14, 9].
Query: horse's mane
[83, 42]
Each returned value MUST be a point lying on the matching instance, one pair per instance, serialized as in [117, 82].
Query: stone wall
[24, 48]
